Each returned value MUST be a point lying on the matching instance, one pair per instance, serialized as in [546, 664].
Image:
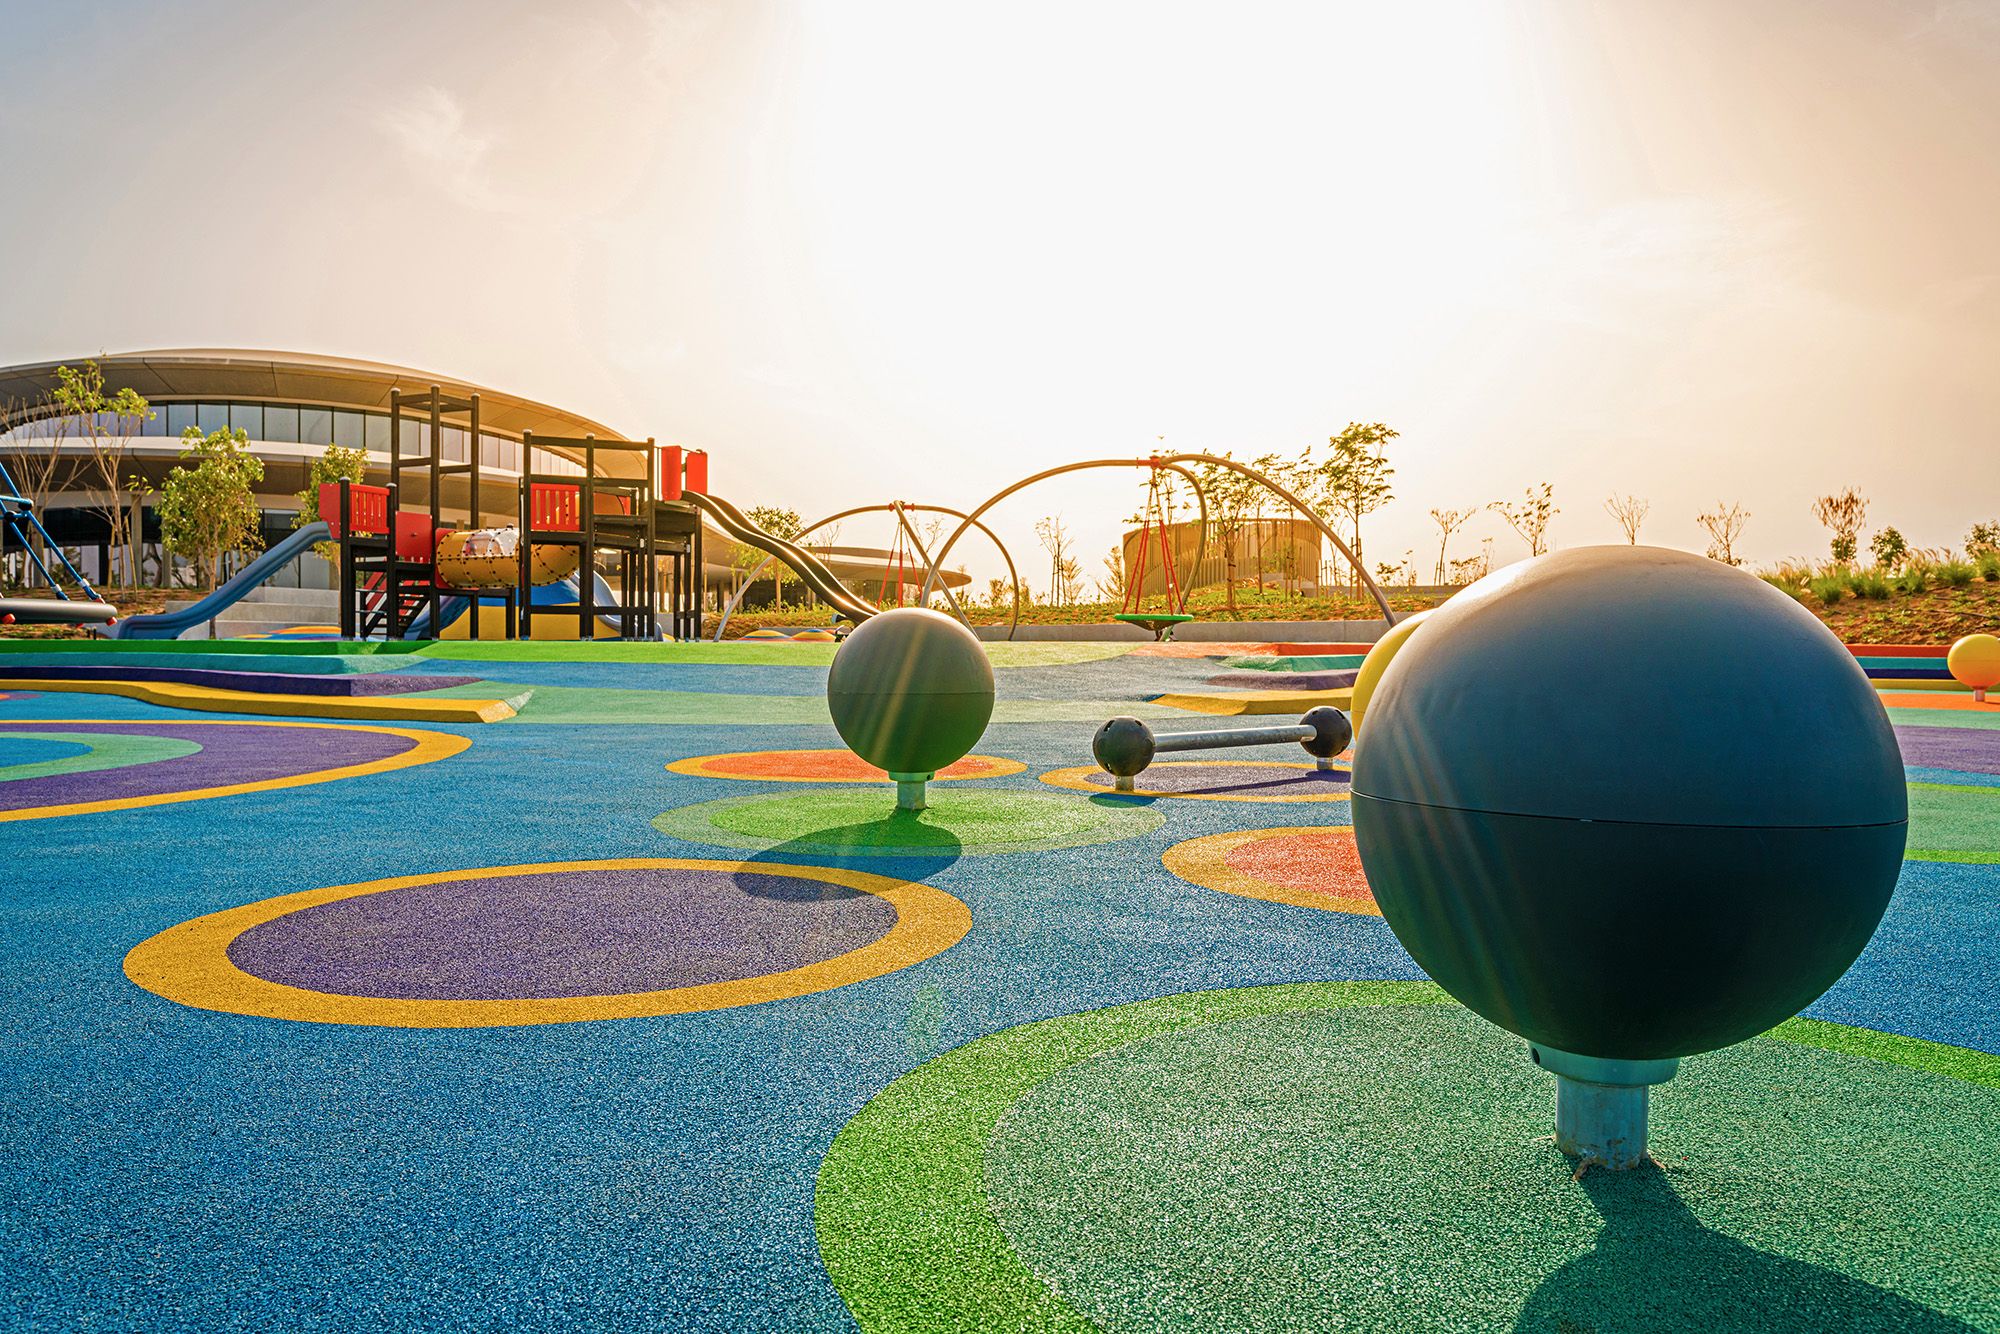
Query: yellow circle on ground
[430, 746]
[1377, 662]
[1974, 662]
[1207, 861]
[1078, 779]
[190, 963]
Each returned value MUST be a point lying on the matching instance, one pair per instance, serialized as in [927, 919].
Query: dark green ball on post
[1629, 803]
[911, 692]
[1123, 747]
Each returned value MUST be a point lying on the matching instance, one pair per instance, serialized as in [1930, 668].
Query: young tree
[1724, 526]
[1630, 512]
[1889, 548]
[1448, 522]
[1111, 587]
[1055, 540]
[782, 523]
[996, 593]
[1232, 498]
[1983, 538]
[208, 503]
[1354, 478]
[335, 464]
[1843, 514]
[107, 422]
[1530, 518]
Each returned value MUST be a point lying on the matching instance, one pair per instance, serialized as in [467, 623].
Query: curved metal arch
[931, 566]
[1194, 483]
[1168, 460]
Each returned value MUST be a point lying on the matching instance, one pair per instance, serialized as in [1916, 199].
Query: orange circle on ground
[824, 766]
[1310, 867]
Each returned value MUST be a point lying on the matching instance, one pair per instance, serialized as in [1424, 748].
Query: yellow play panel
[1235, 703]
[214, 699]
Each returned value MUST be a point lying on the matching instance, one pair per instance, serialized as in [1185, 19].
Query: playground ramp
[816, 576]
[173, 624]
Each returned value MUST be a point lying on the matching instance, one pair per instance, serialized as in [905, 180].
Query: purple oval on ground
[1972, 750]
[230, 753]
[1244, 780]
[1285, 680]
[562, 933]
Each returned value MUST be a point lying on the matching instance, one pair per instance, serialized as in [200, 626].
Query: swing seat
[1160, 623]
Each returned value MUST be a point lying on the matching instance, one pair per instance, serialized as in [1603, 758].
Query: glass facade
[285, 423]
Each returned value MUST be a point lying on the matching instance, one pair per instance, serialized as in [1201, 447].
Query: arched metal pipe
[737, 600]
[1194, 483]
[1169, 460]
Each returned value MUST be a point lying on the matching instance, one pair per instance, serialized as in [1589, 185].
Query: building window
[180, 416]
[375, 433]
[347, 430]
[454, 444]
[155, 424]
[211, 417]
[316, 426]
[281, 424]
[247, 418]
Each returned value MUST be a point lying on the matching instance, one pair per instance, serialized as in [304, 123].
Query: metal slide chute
[814, 574]
[172, 624]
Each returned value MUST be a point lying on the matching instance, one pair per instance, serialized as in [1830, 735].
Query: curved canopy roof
[182, 374]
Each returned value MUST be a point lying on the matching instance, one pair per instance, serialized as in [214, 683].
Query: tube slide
[822, 581]
[172, 624]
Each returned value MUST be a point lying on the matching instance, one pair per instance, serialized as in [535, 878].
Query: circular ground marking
[864, 822]
[549, 943]
[1349, 1156]
[1314, 867]
[825, 766]
[134, 764]
[1219, 780]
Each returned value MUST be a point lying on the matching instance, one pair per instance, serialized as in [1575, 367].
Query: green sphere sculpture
[911, 691]
[1630, 804]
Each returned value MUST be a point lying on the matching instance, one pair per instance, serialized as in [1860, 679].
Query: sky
[1696, 251]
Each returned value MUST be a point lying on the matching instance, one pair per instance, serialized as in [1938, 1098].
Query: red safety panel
[367, 507]
[695, 471]
[414, 538]
[670, 472]
[553, 507]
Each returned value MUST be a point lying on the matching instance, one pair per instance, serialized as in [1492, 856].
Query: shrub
[1957, 573]
[1912, 578]
[1871, 584]
[1989, 566]
[1829, 589]
[1889, 548]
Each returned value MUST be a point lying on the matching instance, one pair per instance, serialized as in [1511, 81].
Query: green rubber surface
[865, 822]
[107, 750]
[1321, 1156]
[1949, 823]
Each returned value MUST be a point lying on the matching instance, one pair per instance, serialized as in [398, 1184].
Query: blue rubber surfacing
[177, 1169]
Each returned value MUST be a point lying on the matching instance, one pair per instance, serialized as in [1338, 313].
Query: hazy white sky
[1690, 249]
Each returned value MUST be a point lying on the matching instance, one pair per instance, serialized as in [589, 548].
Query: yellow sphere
[1975, 662]
[1377, 662]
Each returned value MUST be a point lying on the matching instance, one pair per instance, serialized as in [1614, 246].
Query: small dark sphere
[1332, 732]
[1123, 747]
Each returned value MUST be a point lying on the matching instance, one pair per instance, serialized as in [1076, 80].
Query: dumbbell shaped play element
[1125, 746]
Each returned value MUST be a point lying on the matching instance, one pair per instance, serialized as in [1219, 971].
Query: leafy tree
[335, 464]
[107, 422]
[1530, 518]
[1724, 527]
[1843, 514]
[1354, 478]
[1983, 538]
[1448, 522]
[1889, 548]
[1629, 512]
[784, 523]
[208, 503]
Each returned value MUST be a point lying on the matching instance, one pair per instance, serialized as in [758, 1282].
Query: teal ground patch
[1343, 1156]
[85, 752]
[864, 822]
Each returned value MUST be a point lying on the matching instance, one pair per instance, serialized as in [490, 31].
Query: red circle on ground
[1323, 862]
